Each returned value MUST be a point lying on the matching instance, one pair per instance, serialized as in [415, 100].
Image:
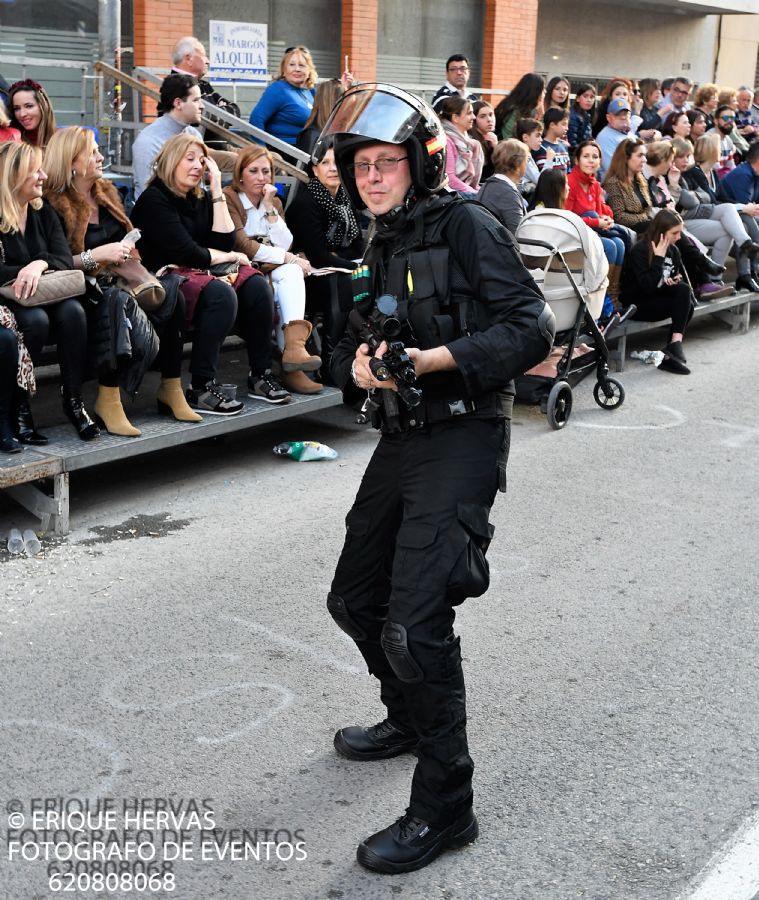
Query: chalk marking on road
[745, 434]
[291, 644]
[677, 419]
[733, 872]
[287, 697]
[116, 758]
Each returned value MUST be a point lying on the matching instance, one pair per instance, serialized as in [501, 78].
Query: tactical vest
[436, 308]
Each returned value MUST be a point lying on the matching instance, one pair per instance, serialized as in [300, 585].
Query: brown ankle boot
[299, 383]
[172, 402]
[295, 357]
[109, 413]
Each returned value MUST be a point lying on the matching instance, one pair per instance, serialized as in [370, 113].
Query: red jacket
[581, 201]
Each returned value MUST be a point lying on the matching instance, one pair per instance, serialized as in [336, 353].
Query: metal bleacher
[82, 93]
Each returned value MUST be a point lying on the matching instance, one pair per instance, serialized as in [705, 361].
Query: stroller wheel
[609, 394]
[559, 405]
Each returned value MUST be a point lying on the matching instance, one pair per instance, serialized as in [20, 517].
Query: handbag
[133, 277]
[53, 287]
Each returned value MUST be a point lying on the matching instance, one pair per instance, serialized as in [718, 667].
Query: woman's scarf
[25, 374]
[470, 157]
[342, 227]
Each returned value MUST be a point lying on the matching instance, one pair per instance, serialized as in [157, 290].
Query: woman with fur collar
[95, 224]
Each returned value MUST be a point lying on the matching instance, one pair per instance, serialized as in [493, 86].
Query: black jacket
[511, 328]
[44, 239]
[176, 230]
[309, 223]
[124, 339]
[642, 275]
[504, 201]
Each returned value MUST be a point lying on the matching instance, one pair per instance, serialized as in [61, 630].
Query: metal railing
[234, 130]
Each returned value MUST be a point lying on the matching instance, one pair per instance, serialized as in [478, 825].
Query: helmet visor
[372, 111]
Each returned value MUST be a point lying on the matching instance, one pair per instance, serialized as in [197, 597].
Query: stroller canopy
[566, 232]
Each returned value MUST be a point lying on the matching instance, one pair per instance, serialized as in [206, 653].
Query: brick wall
[158, 24]
[359, 38]
[509, 38]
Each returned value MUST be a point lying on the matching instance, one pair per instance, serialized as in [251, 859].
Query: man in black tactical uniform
[471, 319]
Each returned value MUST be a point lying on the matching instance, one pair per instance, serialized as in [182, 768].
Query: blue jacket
[282, 110]
[580, 127]
[741, 185]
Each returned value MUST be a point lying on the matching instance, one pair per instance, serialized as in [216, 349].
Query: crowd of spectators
[665, 174]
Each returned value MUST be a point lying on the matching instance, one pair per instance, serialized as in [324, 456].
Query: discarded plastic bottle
[305, 451]
[15, 542]
[32, 544]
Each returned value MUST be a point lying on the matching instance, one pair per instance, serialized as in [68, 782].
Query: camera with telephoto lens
[384, 325]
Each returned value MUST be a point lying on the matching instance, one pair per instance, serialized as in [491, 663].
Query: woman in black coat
[31, 242]
[184, 226]
[325, 229]
[654, 280]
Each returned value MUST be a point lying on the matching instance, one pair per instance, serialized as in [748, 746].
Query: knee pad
[338, 611]
[395, 644]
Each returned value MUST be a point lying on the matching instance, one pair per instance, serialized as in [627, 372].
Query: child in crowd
[581, 116]
[530, 132]
[6, 132]
[556, 125]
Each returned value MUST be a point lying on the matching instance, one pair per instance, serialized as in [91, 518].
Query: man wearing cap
[617, 130]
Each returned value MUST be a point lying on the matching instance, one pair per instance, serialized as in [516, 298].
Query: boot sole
[345, 749]
[308, 366]
[370, 860]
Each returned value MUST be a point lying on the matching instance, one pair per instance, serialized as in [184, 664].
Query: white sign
[238, 50]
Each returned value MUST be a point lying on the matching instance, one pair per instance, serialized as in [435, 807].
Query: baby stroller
[567, 261]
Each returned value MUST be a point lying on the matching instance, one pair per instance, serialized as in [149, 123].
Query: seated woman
[262, 235]
[16, 376]
[655, 281]
[551, 191]
[286, 104]
[500, 193]
[184, 226]
[323, 223]
[706, 101]
[31, 112]
[326, 96]
[677, 124]
[524, 102]
[581, 115]
[585, 198]
[464, 159]
[95, 224]
[702, 208]
[6, 132]
[697, 124]
[557, 94]
[665, 186]
[483, 131]
[650, 95]
[31, 242]
[629, 196]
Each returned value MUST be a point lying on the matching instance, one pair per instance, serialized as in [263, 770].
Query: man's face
[679, 93]
[189, 110]
[726, 121]
[196, 63]
[458, 74]
[619, 121]
[744, 100]
[382, 191]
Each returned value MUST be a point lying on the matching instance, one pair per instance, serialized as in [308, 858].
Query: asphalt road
[176, 645]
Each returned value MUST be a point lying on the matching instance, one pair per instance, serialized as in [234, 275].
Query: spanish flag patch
[434, 145]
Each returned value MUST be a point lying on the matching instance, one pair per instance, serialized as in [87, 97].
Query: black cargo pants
[425, 495]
